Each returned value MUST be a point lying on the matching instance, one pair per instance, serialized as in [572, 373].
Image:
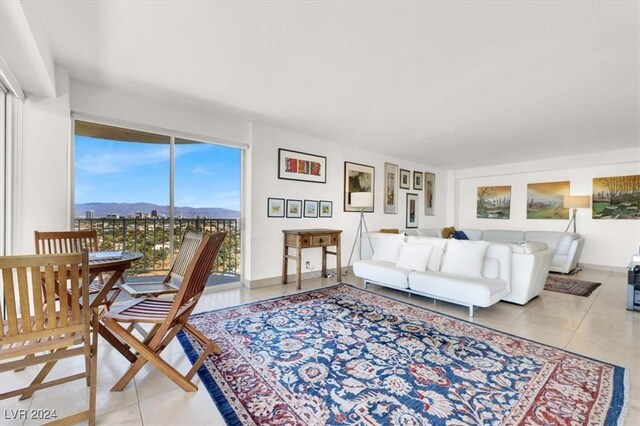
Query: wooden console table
[307, 238]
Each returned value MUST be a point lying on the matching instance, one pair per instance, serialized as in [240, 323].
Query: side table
[308, 238]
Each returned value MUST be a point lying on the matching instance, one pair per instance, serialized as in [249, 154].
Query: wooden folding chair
[167, 318]
[171, 283]
[37, 330]
[74, 242]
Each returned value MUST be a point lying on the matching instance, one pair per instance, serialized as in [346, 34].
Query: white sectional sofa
[474, 279]
[567, 245]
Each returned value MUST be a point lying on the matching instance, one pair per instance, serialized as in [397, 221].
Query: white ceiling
[450, 84]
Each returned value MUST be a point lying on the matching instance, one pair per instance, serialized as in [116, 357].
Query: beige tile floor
[598, 326]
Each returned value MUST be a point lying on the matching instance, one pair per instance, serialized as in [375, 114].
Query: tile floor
[598, 326]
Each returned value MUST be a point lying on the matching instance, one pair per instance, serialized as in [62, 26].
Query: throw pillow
[388, 247]
[437, 250]
[460, 235]
[414, 256]
[390, 231]
[448, 232]
[465, 258]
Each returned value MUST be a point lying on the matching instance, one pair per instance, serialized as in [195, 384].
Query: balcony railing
[151, 237]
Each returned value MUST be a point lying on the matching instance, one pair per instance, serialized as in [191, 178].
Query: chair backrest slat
[32, 314]
[66, 241]
[188, 246]
[197, 271]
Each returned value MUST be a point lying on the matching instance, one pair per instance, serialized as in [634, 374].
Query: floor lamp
[361, 200]
[575, 202]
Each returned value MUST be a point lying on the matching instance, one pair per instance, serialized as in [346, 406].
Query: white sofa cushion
[503, 235]
[491, 268]
[465, 258]
[529, 247]
[388, 247]
[382, 272]
[414, 256]
[437, 250]
[468, 290]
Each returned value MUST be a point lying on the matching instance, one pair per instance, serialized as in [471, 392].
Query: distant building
[113, 216]
[154, 213]
[89, 214]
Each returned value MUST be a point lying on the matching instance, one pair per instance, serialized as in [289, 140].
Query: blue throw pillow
[459, 235]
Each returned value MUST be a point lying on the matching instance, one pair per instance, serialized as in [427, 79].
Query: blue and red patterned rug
[341, 355]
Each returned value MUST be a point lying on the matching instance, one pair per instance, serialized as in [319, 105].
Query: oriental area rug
[346, 356]
[570, 286]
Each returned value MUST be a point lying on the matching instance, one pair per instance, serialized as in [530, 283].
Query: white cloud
[199, 170]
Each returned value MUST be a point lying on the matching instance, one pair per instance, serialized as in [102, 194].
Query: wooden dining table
[115, 266]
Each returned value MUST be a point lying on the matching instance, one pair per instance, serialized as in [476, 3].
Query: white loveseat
[515, 273]
[567, 245]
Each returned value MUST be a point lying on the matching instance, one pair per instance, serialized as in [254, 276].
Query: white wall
[608, 243]
[266, 233]
[43, 199]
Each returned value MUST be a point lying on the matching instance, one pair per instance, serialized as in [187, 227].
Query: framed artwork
[494, 202]
[544, 200]
[429, 194]
[412, 210]
[326, 209]
[294, 208]
[390, 188]
[417, 181]
[357, 178]
[294, 165]
[275, 207]
[405, 179]
[616, 197]
[310, 208]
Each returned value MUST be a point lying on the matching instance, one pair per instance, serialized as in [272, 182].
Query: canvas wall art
[616, 197]
[429, 194]
[294, 165]
[494, 202]
[357, 178]
[390, 188]
[544, 200]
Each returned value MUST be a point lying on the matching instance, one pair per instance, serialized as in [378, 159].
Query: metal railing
[151, 237]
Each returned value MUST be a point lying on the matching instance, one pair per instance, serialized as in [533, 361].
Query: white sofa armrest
[528, 275]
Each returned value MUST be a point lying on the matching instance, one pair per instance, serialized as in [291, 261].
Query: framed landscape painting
[275, 207]
[616, 197]
[544, 200]
[429, 194]
[494, 202]
[294, 165]
[405, 179]
[326, 208]
[412, 210]
[310, 208]
[390, 188]
[417, 181]
[357, 178]
[294, 209]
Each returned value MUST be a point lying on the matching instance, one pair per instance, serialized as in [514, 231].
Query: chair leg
[42, 374]
[209, 348]
[147, 354]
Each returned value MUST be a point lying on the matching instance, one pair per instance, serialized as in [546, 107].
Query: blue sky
[109, 171]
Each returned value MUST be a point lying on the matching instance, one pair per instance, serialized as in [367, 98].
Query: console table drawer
[322, 240]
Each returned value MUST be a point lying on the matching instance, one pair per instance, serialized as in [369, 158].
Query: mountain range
[125, 209]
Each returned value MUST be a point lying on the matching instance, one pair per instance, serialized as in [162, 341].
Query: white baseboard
[607, 268]
[291, 279]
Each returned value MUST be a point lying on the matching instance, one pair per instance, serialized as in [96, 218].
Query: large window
[141, 190]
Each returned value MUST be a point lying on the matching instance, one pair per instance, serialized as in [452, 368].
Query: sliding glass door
[142, 190]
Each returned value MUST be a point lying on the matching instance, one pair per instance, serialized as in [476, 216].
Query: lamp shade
[576, 201]
[361, 199]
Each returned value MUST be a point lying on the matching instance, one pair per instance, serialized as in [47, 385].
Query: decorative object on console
[275, 207]
[494, 202]
[361, 200]
[294, 208]
[390, 188]
[429, 194]
[405, 179]
[448, 361]
[575, 202]
[326, 208]
[412, 210]
[570, 286]
[294, 165]
[310, 208]
[544, 200]
[358, 178]
[417, 181]
[616, 197]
